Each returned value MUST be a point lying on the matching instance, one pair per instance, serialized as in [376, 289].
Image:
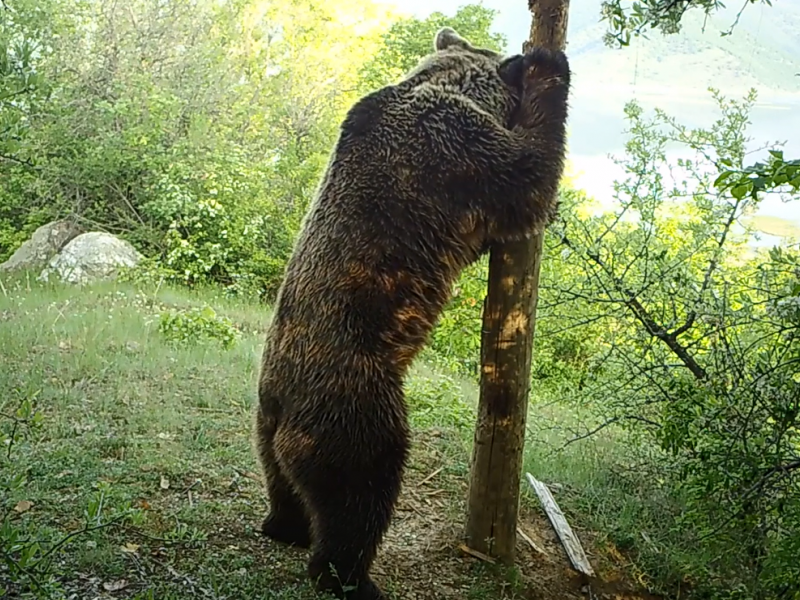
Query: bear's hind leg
[349, 525]
[351, 507]
[287, 521]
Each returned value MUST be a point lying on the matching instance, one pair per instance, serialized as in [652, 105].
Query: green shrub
[196, 325]
[438, 401]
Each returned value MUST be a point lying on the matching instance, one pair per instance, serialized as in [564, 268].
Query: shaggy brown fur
[426, 174]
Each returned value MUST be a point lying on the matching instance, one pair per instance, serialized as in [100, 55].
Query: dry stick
[509, 320]
[479, 555]
[429, 477]
[530, 541]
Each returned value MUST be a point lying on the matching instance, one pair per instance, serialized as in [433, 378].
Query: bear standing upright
[467, 150]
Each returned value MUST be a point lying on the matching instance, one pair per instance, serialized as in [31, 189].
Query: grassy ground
[139, 481]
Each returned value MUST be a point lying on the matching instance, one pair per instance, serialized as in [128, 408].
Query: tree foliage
[408, 40]
[194, 128]
[699, 342]
[627, 20]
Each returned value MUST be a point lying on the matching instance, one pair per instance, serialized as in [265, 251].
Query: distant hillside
[763, 52]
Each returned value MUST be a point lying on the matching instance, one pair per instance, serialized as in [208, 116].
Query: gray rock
[45, 243]
[90, 257]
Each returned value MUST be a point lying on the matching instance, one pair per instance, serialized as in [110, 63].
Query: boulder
[45, 243]
[90, 257]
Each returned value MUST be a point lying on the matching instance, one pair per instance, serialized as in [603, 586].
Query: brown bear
[468, 149]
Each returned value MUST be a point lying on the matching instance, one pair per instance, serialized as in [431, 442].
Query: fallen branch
[429, 477]
[474, 553]
[530, 541]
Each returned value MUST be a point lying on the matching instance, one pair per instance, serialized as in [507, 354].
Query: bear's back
[379, 249]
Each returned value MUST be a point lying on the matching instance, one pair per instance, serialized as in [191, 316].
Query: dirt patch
[420, 558]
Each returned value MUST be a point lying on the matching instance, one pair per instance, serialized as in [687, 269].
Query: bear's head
[491, 80]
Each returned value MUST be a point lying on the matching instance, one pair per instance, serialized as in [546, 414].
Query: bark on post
[509, 320]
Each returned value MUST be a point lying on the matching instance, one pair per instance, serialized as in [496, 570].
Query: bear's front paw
[545, 92]
[545, 68]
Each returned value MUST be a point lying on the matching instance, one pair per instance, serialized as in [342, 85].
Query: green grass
[143, 453]
[126, 415]
[143, 450]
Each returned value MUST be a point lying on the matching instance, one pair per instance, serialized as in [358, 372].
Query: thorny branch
[605, 424]
[643, 316]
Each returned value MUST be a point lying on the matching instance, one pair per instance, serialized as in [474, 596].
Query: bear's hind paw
[286, 531]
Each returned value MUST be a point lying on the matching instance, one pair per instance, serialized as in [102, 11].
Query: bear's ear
[447, 37]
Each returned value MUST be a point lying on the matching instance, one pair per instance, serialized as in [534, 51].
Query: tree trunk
[509, 320]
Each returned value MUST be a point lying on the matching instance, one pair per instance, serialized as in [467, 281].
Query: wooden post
[509, 319]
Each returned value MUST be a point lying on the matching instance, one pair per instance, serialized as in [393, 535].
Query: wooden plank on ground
[568, 539]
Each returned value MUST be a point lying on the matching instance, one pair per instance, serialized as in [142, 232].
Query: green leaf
[740, 191]
[724, 176]
[776, 154]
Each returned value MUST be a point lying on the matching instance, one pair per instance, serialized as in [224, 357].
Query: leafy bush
[220, 229]
[698, 346]
[195, 325]
[189, 128]
[438, 401]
